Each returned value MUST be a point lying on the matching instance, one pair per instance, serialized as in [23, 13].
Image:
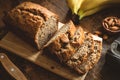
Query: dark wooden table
[92, 23]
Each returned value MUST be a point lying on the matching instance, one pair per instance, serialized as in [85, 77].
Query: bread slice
[82, 52]
[34, 23]
[66, 41]
[69, 28]
[92, 59]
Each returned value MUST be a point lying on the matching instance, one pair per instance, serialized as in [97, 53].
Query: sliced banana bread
[92, 59]
[66, 41]
[82, 52]
[34, 23]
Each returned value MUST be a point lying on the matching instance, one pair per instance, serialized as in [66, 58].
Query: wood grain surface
[101, 71]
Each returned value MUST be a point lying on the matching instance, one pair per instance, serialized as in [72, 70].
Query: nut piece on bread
[32, 22]
[66, 41]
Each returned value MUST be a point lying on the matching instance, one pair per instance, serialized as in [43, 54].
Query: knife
[11, 68]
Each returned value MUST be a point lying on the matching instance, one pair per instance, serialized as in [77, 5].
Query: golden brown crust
[36, 8]
[25, 21]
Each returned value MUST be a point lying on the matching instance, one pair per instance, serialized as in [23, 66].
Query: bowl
[111, 24]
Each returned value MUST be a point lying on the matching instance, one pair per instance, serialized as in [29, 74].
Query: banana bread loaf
[33, 22]
[66, 41]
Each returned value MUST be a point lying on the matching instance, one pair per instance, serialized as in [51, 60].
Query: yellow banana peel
[85, 8]
[74, 5]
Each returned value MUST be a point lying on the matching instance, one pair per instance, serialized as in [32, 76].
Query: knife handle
[11, 68]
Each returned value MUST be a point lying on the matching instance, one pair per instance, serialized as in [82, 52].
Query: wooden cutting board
[17, 46]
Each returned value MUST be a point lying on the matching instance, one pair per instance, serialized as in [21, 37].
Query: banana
[90, 4]
[94, 7]
[85, 8]
[89, 12]
[74, 5]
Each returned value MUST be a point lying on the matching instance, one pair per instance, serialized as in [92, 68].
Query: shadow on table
[110, 72]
